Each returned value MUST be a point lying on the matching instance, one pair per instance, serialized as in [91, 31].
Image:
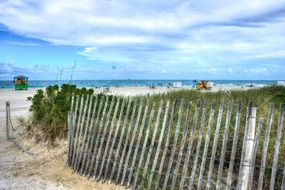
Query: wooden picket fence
[176, 145]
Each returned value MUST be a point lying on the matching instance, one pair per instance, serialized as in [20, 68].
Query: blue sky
[143, 39]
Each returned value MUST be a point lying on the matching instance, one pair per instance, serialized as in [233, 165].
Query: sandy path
[47, 170]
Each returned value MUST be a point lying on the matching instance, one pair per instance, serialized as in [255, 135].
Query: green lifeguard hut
[21, 82]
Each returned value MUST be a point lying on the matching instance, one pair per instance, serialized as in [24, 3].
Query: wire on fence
[9, 125]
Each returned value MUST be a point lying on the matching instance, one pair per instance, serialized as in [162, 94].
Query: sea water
[125, 83]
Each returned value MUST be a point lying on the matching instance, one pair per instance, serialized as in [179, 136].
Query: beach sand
[48, 170]
[136, 91]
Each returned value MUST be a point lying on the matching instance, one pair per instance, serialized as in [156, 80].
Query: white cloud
[174, 35]
[118, 40]
[86, 22]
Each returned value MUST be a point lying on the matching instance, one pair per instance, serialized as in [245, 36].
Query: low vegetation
[50, 108]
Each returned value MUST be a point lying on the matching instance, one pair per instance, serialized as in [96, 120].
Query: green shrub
[50, 108]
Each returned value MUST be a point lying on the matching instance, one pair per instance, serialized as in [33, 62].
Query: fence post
[276, 147]
[7, 119]
[249, 141]
[265, 147]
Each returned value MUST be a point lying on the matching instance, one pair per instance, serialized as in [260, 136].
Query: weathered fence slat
[139, 168]
[7, 120]
[247, 161]
[206, 145]
[180, 153]
[277, 145]
[224, 145]
[138, 144]
[177, 129]
[104, 159]
[159, 144]
[265, 147]
[256, 142]
[120, 141]
[73, 114]
[72, 103]
[105, 128]
[200, 137]
[69, 129]
[246, 129]
[190, 145]
[166, 144]
[77, 150]
[76, 120]
[115, 137]
[126, 142]
[78, 128]
[98, 138]
[215, 143]
[99, 129]
[92, 135]
[85, 136]
[150, 149]
[90, 129]
[132, 143]
[84, 130]
[234, 147]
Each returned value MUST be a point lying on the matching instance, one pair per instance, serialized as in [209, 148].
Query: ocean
[122, 83]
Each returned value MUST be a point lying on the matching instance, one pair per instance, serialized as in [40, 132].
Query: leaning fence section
[176, 144]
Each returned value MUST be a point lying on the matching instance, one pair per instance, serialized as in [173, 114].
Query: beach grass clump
[50, 108]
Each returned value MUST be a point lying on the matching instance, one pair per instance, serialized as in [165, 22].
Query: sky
[142, 39]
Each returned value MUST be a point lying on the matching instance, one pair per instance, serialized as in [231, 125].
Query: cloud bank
[174, 36]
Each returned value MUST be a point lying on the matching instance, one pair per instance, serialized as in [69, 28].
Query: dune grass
[261, 98]
[49, 109]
